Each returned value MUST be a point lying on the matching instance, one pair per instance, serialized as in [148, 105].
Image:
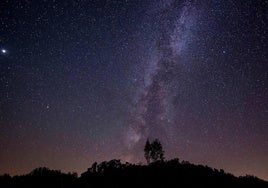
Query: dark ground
[171, 173]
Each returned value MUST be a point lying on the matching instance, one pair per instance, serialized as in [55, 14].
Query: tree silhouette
[153, 151]
[169, 173]
[147, 151]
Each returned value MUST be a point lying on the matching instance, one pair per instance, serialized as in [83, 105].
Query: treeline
[172, 173]
[157, 173]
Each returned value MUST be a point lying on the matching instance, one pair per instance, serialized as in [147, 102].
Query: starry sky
[86, 80]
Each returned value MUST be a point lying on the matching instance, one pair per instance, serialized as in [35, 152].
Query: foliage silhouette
[153, 151]
[147, 151]
[114, 173]
[172, 173]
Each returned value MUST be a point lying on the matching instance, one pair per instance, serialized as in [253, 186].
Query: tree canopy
[153, 151]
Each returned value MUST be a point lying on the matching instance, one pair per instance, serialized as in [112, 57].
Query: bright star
[3, 51]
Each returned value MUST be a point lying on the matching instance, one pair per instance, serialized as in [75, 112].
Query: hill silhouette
[171, 173]
[157, 173]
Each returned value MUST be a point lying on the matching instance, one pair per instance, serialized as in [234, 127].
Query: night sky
[84, 81]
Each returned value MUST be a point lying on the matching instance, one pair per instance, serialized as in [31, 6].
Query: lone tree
[153, 151]
[147, 151]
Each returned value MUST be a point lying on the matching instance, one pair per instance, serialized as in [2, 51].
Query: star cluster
[84, 81]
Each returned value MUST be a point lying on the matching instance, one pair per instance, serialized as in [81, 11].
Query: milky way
[151, 115]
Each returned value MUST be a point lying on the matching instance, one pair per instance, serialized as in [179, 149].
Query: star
[3, 51]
